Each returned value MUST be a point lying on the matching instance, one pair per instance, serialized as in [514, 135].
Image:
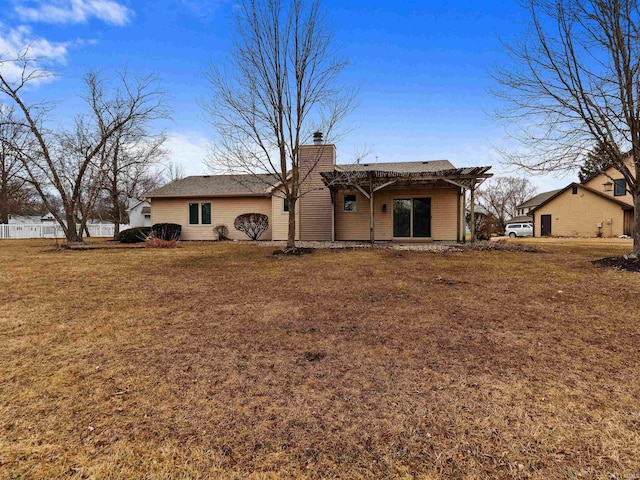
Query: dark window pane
[206, 214]
[421, 217]
[349, 203]
[619, 187]
[193, 213]
[285, 205]
[574, 191]
[401, 218]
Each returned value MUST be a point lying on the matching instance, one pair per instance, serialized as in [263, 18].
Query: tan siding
[355, 225]
[315, 203]
[281, 218]
[597, 183]
[224, 212]
[579, 215]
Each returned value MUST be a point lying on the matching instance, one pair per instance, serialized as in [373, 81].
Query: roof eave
[210, 195]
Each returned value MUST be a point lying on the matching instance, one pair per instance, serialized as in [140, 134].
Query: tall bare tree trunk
[291, 233]
[71, 232]
[636, 222]
[4, 200]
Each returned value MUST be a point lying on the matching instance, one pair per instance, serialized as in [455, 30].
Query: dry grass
[223, 361]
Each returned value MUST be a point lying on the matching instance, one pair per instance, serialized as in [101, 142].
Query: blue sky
[422, 68]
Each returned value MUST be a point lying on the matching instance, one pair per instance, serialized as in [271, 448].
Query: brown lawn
[223, 361]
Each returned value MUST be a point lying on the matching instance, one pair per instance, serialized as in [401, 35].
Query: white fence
[53, 230]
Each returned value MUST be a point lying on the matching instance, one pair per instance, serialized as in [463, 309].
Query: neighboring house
[523, 210]
[601, 206]
[520, 219]
[32, 219]
[421, 201]
[139, 213]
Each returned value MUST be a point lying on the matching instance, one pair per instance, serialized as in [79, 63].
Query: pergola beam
[384, 185]
[362, 191]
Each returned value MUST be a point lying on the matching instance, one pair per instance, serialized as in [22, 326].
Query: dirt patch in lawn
[620, 263]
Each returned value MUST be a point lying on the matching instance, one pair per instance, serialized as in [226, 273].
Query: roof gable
[624, 205]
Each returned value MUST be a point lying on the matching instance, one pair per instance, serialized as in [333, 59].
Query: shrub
[135, 235]
[222, 232]
[252, 224]
[167, 231]
[486, 225]
[159, 243]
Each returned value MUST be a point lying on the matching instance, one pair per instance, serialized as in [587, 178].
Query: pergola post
[371, 210]
[473, 211]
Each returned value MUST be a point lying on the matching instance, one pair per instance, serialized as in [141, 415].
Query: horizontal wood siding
[280, 227]
[224, 212]
[355, 225]
[315, 203]
[579, 215]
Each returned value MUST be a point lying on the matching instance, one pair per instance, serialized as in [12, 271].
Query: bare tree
[575, 84]
[132, 169]
[173, 171]
[279, 86]
[17, 196]
[501, 195]
[72, 162]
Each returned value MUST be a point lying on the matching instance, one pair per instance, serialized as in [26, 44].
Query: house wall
[579, 215]
[355, 225]
[597, 183]
[136, 218]
[223, 212]
[280, 218]
[315, 203]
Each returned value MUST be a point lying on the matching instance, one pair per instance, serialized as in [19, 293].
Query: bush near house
[167, 231]
[135, 235]
[222, 232]
[252, 224]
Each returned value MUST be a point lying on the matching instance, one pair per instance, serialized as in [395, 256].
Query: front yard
[224, 361]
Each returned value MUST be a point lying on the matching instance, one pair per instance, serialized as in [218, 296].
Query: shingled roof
[538, 199]
[218, 186]
[400, 167]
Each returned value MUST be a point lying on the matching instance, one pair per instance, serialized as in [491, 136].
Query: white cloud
[73, 11]
[189, 150]
[18, 40]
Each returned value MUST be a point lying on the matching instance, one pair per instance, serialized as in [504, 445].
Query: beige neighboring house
[601, 206]
[410, 201]
[523, 211]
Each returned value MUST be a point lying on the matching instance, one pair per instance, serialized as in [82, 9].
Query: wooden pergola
[368, 182]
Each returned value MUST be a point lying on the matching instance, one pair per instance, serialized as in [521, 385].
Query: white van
[519, 230]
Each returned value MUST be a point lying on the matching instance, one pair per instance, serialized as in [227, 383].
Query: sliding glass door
[412, 217]
[401, 217]
[422, 217]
